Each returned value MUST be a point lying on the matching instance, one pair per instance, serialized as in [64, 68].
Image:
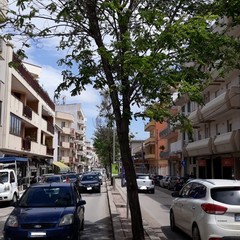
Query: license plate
[143, 188]
[237, 217]
[89, 188]
[37, 234]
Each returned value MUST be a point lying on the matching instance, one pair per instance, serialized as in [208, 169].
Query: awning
[13, 159]
[63, 167]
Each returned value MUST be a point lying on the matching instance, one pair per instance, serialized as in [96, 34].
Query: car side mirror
[81, 202]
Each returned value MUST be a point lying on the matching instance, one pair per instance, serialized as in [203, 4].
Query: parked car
[180, 182]
[52, 178]
[207, 209]
[145, 183]
[90, 182]
[163, 181]
[72, 177]
[171, 182]
[156, 179]
[47, 211]
[8, 186]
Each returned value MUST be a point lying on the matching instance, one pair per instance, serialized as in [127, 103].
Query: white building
[79, 127]
[27, 114]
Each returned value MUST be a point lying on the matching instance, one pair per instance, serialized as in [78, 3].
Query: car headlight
[66, 220]
[12, 221]
[6, 188]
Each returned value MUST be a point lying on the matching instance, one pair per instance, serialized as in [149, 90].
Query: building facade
[27, 114]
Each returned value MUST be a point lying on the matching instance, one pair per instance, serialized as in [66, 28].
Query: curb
[116, 222]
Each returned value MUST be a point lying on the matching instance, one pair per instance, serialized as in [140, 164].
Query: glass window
[15, 125]
[227, 195]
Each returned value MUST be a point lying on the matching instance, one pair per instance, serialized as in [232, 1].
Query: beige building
[27, 114]
[77, 136]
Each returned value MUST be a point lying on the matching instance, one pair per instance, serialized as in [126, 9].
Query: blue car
[47, 211]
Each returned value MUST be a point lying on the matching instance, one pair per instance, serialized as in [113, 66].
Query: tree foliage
[138, 51]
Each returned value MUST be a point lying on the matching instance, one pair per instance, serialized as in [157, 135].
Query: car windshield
[52, 179]
[47, 197]
[3, 177]
[89, 177]
[227, 195]
[143, 177]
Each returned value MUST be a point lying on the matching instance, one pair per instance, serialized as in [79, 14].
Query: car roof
[218, 182]
[52, 184]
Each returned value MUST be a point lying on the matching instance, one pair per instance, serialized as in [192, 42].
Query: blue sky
[45, 55]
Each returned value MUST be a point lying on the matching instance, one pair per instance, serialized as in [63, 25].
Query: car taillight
[213, 208]
[215, 238]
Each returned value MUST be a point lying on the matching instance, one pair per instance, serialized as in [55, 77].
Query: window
[15, 125]
[229, 126]
[63, 124]
[217, 130]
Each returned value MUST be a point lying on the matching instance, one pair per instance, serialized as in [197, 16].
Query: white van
[8, 186]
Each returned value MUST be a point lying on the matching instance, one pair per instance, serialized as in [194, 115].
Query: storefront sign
[227, 162]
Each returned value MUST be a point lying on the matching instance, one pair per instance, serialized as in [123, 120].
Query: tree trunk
[132, 190]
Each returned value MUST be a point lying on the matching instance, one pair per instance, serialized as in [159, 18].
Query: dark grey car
[90, 183]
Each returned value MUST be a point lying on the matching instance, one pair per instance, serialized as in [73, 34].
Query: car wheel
[152, 191]
[82, 225]
[195, 233]
[14, 199]
[172, 222]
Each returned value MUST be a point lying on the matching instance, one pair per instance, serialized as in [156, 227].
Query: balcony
[150, 156]
[65, 145]
[195, 117]
[168, 133]
[164, 155]
[149, 141]
[26, 144]
[201, 147]
[27, 112]
[176, 147]
[222, 104]
[50, 127]
[32, 82]
[150, 126]
[225, 143]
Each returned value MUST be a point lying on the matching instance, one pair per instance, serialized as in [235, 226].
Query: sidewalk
[121, 221]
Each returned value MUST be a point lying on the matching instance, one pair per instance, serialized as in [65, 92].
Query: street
[97, 219]
[155, 210]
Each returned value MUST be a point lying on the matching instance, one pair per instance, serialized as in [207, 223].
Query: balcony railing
[50, 151]
[32, 82]
[50, 127]
[27, 112]
[26, 144]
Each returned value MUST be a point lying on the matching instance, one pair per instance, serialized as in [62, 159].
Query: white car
[207, 209]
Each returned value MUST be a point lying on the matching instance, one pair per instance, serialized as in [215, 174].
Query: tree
[138, 51]
[103, 143]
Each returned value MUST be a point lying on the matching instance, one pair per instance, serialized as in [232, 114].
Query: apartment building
[78, 131]
[155, 148]
[27, 114]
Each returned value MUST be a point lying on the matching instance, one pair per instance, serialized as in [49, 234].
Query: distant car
[145, 183]
[52, 178]
[164, 180]
[47, 211]
[171, 182]
[207, 209]
[90, 182]
[72, 177]
[180, 182]
[156, 179]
